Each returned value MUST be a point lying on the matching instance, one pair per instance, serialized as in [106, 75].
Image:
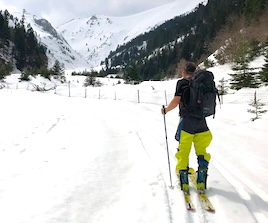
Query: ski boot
[201, 181]
[183, 176]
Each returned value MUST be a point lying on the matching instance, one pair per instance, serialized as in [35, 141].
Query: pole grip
[163, 106]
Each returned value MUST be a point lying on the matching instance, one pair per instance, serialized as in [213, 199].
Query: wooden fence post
[69, 86]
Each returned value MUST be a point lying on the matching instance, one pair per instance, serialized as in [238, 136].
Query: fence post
[99, 93]
[69, 86]
[115, 95]
[85, 93]
[138, 96]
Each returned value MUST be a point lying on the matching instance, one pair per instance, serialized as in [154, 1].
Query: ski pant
[201, 141]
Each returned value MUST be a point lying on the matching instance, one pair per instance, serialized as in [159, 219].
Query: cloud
[60, 11]
[7, 6]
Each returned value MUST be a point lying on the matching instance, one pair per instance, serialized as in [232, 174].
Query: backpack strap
[184, 92]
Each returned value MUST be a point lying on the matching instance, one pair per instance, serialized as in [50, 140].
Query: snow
[96, 36]
[84, 43]
[56, 45]
[76, 160]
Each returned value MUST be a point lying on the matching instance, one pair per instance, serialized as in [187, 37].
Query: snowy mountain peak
[57, 47]
[95, 37]
[84, 43]
[47, 27]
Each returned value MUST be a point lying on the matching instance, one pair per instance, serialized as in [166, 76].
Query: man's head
[189, 68]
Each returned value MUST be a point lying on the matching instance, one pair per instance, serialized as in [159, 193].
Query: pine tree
[243, 75]
[209, 63]
[92, 81]
[132, 74]
[25, 75]
[264, 71]
[5, 69]
[21, 43]
[4, 31]
[257, 108]
[45, 72]
[58, 71]
[253, 8]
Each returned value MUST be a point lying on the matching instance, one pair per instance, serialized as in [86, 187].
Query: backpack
[199, 97]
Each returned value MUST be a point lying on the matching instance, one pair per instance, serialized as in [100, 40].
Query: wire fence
[132, 93]
[246, 97]
[124, 94]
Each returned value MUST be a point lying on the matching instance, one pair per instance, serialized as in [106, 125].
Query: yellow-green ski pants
[200, 140]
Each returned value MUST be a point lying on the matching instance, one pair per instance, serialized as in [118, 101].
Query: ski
[188, 202]
[206, 202]
[207, 205]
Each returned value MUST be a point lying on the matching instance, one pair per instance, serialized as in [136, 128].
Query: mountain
[95, 37]
[194, 36]
[155, 41]
[57, 47]
[84, 43]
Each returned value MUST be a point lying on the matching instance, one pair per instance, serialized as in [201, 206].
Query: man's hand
[163, 110]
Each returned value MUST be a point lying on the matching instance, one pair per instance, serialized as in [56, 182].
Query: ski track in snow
[59, 160]
[68, 186]
[249, 198]
[161, 162]
[248, 194]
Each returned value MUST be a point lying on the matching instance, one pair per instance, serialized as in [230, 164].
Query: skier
[190, 130]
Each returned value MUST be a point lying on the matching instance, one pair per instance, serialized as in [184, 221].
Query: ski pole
[171, 186]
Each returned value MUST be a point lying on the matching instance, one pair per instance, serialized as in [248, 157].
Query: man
[190, 130]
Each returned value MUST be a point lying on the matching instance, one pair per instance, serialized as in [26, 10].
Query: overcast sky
[60, 11]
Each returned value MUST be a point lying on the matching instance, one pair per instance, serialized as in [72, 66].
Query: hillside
[195, 36]
[57, 47]
[97, 36]
[83, 43]
[153, 43]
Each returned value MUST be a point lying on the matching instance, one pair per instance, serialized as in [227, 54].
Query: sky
[96, 155]
[60, 11]
[94, 43]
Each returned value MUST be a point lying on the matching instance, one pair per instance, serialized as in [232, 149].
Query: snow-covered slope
[57, 47]
[96, 36]
[83, 43]
[79, 160]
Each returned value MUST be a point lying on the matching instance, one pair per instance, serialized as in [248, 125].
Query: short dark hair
[190, 68]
